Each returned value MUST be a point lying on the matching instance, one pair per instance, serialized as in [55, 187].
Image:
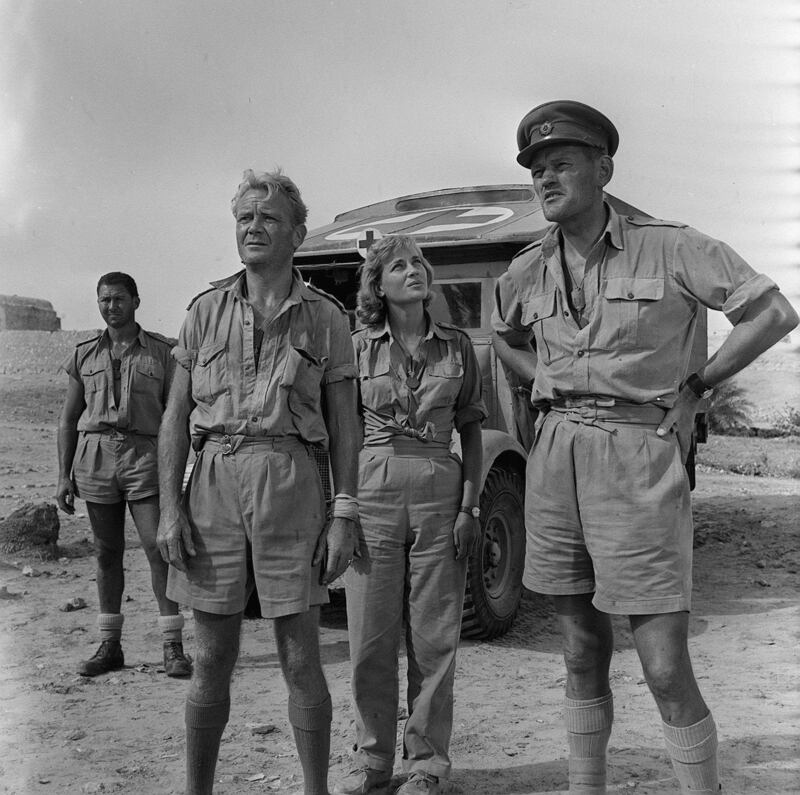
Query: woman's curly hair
[371, 308]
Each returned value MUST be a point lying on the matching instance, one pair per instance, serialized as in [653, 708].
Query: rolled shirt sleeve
[507, 313]
[341, 364]
[469, 405]
[713, 273]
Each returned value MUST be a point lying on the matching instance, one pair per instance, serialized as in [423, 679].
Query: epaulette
[91, 339]
[530, 247]
[643, 220]
[171, 341]
[331, 298]
[198, 296]
[450, 326]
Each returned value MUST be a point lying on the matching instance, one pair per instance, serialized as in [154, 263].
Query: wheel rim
[496, 545]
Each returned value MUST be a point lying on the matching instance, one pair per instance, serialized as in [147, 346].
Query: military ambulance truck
[469, 235]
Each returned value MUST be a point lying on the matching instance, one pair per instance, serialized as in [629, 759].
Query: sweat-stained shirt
[304, 347]
[633, 341]
[423, 397]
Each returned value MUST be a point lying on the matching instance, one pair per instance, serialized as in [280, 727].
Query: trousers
[409, 495]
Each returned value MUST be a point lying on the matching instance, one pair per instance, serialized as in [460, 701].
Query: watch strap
[697, 385]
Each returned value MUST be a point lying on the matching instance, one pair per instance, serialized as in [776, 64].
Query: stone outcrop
[27, 314]
[32, 528]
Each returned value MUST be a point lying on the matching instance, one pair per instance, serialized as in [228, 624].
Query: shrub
[728, 409]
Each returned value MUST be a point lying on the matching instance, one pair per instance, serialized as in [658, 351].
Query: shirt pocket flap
[373, 362]
[149, 368]
[539, 306]
[446, 369]
[631, 288]
[207, 354]
[92, 370]
[93, 377]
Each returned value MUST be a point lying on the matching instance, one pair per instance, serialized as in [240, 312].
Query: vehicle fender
[497, 445]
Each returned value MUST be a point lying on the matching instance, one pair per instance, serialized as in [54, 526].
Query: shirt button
[247, 322]
[630, 295]
[581, 352]
[253, 419]
[535, 315]
[566, 313]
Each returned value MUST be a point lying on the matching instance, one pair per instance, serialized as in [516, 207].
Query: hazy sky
[126, 126]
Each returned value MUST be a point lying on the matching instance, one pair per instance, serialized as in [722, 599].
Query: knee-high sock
[110, 625]
[693, 750]
[312, 735]
[588, 724]
[171, 628]
[204, 726]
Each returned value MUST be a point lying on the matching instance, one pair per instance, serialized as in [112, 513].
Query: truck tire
[494, 573]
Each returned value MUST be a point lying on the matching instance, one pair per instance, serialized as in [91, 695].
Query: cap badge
[546, 128]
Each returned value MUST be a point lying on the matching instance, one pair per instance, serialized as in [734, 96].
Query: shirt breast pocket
[209, 373]
[444, 382]
[302, 377]
[94, 379]
[148, 378]
[629, 307]
[375, 378]
[540, 314]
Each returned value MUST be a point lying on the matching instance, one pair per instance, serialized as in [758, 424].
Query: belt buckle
[576, 402]
[227, 445]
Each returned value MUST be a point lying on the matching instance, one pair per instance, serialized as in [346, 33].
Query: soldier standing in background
[107, 456]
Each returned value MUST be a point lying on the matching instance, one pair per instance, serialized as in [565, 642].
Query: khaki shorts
[112, 466]
[607, 511]
[256, 514]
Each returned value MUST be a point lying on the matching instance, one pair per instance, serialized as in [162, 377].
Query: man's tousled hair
[118, 277]
[273, 182]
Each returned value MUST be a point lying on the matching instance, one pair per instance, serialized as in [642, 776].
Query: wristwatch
[473, 510]
[700, 388]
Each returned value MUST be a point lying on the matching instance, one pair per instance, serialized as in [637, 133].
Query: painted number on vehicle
[452, 219]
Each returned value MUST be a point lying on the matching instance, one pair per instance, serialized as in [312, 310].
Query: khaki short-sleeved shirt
[145, 375]
[305, 347]
[644, 281]
[424, 397]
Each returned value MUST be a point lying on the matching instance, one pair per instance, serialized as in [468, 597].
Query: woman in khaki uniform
[418, 380]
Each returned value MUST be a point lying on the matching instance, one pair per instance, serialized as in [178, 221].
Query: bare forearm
[173, 450]
[521, 360]
[344, 431]
[67, 442]
[764, 323]
[173, 440]
[472, 462]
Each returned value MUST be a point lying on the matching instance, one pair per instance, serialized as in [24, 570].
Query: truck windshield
[458, 303]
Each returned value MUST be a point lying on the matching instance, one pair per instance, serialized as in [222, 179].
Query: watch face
[476, 512]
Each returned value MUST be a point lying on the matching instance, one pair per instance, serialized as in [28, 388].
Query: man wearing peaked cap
[564, 122]
[600, 315]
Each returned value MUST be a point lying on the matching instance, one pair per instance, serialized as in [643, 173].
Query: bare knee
[587, 654]
[298, 650]
[215, 654]
[154, 557]
[108, 556]
[669, 680]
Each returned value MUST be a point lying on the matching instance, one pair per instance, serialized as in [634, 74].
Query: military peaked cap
[564, 122]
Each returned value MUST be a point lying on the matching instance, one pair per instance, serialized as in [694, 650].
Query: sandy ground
[123, 732]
